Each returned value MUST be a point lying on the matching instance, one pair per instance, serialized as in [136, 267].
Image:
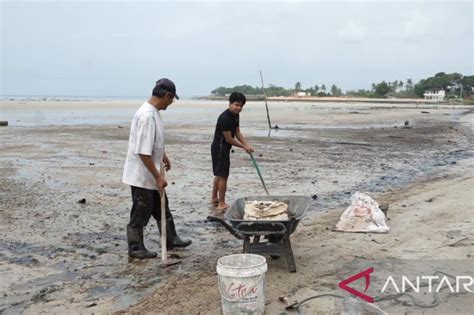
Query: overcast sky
[120, 48]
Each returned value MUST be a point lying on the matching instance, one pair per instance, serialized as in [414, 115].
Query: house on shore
[301, 93]
[435, 94]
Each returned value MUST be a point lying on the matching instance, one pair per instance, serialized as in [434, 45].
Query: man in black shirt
[226, 135]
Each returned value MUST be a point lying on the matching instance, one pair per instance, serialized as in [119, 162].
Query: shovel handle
[258, 173]
[164, 255]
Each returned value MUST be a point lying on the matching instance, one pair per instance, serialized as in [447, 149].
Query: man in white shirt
[146, 150]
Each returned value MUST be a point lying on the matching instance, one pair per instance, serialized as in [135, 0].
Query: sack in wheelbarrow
[266, 210]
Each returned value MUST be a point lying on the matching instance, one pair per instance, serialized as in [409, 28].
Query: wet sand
[58, 255]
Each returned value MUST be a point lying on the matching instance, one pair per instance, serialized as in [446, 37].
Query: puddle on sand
[306, 131]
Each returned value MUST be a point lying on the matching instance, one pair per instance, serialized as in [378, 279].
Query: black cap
[166, 85]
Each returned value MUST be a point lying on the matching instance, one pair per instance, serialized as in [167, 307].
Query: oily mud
[59, 255]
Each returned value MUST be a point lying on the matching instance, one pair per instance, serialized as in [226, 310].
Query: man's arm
[160, 181]
[242, 139]
[167, 162]
[238, 143]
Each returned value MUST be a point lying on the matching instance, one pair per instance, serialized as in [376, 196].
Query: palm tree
[298, 86]
[394, 86]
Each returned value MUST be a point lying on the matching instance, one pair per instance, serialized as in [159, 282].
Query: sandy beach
[61, 256]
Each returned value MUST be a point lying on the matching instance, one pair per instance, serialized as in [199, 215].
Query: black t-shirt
[226, 122]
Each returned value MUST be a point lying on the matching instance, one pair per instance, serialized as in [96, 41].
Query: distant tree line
[455, 85]
[274, 90]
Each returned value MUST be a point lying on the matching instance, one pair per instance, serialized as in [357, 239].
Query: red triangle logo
[366, 274]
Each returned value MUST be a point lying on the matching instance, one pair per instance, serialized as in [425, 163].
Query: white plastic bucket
[242, 283]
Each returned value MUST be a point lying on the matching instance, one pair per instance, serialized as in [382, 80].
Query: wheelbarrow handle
[230, 228]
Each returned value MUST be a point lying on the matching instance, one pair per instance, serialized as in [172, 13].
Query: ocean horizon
[13, 97]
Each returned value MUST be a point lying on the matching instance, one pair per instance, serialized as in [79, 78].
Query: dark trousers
[146, 203]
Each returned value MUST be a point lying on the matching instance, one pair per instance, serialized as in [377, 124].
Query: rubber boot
[172, 238]
[136, 248]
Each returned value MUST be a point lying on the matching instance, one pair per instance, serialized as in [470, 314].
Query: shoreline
[330, 99]
[250, 98]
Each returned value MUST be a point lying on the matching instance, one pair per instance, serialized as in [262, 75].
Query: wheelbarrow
[277, 233]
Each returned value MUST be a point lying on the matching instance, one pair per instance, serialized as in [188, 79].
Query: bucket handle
[243, 296]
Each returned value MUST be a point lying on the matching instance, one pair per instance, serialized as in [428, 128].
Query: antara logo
[366, 274]
[463, 284]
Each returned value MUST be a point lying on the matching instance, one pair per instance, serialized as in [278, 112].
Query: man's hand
[167, 162]
[161, 183]
[248, 149]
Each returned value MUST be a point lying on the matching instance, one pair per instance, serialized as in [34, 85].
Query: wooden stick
[265, 98]
[457, 241]
[164, 255]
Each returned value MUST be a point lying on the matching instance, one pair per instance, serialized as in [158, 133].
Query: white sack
[265, 210]
[363, 215]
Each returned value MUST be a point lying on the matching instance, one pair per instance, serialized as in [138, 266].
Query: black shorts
[220, 160]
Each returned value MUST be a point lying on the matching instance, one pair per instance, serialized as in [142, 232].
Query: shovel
[259, 174]
[164, 254]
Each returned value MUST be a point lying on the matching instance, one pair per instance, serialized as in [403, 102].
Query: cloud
[57, 48]
[416, 25]
[353, 31]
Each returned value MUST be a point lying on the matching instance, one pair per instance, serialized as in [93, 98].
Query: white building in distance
[435, 94]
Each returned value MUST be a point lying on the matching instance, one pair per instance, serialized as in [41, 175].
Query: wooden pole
[265, 98]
